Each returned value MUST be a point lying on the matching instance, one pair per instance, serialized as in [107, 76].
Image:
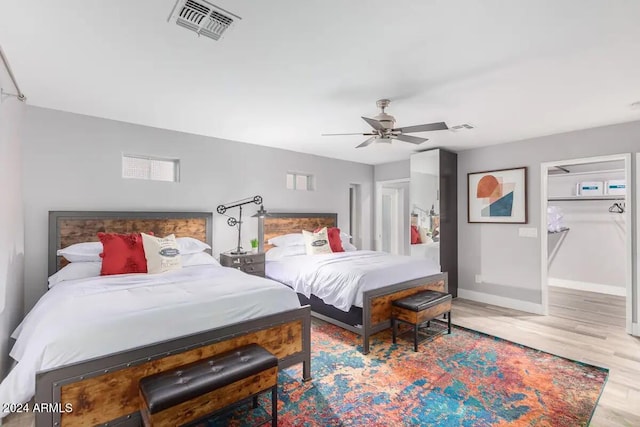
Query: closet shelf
[571, 198]
[562, 230]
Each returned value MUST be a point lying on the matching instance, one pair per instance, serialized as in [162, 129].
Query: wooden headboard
[69, 227]
[277, 224]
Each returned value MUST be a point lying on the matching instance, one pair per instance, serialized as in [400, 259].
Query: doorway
[392, 228]
[355, 214]
[586, 239]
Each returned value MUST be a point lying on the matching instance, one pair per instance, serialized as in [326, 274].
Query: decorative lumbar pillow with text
[162, 253]
[317, 243]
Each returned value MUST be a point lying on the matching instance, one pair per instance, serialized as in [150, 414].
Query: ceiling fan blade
[423, 128]
[367, 142]
[337, 134]
[374, 123]
[411, 139]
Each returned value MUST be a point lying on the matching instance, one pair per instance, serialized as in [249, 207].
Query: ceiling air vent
[457, 128]
[203, 18]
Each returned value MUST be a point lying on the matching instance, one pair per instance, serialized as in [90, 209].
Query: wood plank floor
[585, 306]
[576, 337]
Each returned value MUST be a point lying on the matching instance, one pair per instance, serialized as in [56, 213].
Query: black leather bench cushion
[170, 388]
[422, 300]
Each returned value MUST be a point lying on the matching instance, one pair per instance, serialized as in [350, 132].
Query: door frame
[378, 209]
[628, 217]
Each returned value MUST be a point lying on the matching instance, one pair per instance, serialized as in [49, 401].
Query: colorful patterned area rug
[463, 379]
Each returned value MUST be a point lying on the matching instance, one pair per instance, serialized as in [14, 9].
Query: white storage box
[591, 188]
[616, 187]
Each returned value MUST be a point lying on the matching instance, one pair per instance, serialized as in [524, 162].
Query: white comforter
[85, 318]
[340, 278]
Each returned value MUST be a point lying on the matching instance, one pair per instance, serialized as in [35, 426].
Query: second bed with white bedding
[340, 278]
[81, 319]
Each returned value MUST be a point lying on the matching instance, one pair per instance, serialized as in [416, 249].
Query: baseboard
[635, 329]
[589, 287]
[515, 304]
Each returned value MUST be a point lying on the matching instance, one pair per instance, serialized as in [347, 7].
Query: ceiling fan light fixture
[384, 130]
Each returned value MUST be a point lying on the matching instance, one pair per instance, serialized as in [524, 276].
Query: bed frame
[376, 309]
[104, 390]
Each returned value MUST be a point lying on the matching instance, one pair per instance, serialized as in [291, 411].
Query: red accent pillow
[122, 254]
[334, 238]
[415, 235]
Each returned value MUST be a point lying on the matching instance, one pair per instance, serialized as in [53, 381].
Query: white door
[388, 233]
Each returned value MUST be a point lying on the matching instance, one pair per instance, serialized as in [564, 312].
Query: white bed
[430, 251]
[341, 278]
[86, 318]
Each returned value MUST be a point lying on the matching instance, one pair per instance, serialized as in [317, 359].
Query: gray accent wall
[73, 162]
[11, 222]
[510, 265]
[392, 170]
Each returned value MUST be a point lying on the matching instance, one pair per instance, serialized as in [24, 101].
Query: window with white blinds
[298, 181]
[151, 168]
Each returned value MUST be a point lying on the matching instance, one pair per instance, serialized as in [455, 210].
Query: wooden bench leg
[449, 322]
[255, 402]
[415, 337]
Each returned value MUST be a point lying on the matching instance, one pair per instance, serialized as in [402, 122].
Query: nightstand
[249, 263]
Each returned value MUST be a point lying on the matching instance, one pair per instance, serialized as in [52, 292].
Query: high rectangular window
[299, 181]
[151, 168]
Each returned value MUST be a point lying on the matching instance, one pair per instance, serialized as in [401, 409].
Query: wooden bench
[419, 309]
[209, 386]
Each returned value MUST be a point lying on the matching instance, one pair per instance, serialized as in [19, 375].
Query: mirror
[425, 205]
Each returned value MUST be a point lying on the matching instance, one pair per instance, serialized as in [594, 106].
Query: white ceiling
[291, 70]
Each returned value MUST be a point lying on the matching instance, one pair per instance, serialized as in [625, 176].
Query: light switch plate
[528, 232]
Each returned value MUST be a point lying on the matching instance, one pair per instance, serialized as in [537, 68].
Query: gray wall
[393, 170]
[510, 265]
[11, 221]
[73, 162]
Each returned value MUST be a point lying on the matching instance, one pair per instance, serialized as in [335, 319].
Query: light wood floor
[578, 336]
[588, 307]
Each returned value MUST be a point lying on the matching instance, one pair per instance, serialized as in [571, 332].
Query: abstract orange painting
[498, 196]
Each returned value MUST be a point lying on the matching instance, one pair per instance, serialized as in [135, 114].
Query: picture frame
[497, 196]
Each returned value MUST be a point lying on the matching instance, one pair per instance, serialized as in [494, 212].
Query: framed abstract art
[498, 196]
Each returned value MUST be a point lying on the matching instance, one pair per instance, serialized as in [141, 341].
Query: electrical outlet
[478, 278]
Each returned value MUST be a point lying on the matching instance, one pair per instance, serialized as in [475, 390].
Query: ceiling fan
[384, 130]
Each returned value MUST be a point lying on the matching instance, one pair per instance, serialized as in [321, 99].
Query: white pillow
[280, 252]
[317, 243]
[348, 247]
[424, 237]
[82, 252]
[90, 251]
[162, 253]
[200, 258]
[189, 245]
[74, 271]
[293, 239]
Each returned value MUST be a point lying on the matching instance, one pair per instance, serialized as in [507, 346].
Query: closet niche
[433, 208]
